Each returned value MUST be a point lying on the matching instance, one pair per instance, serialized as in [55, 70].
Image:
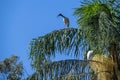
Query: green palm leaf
[65, 41]
[65, 69]
[98, 22]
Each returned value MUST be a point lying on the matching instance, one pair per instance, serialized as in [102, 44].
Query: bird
[65, 19]
[90, 52]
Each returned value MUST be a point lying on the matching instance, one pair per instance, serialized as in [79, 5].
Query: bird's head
[89, 54]
[60, 15]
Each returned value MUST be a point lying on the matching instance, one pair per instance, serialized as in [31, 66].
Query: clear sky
[23, 20]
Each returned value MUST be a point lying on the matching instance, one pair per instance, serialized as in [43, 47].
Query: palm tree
[100, 23]
[64, 41]
[98, 30]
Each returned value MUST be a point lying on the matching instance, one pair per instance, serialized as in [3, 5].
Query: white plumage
[90, 52]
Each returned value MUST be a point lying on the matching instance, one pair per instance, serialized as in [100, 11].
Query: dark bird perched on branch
[65, 20]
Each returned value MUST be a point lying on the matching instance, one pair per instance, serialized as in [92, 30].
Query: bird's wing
[66, 21]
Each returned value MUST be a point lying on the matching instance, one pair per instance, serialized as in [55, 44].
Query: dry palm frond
[103, 69]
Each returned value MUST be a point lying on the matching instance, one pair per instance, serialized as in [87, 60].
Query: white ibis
[65, 20]
[90, 52]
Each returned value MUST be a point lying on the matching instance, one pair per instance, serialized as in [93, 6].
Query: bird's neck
[62, 16]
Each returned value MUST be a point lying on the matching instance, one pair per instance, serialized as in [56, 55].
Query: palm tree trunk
[114, 56]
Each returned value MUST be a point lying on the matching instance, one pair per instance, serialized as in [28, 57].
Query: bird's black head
[60, 15]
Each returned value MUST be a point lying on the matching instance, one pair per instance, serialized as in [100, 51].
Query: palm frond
[65, 41]
[66, 69]
[100, 23]
[89, 13]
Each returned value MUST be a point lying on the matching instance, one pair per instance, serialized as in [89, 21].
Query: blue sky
[23, 20]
